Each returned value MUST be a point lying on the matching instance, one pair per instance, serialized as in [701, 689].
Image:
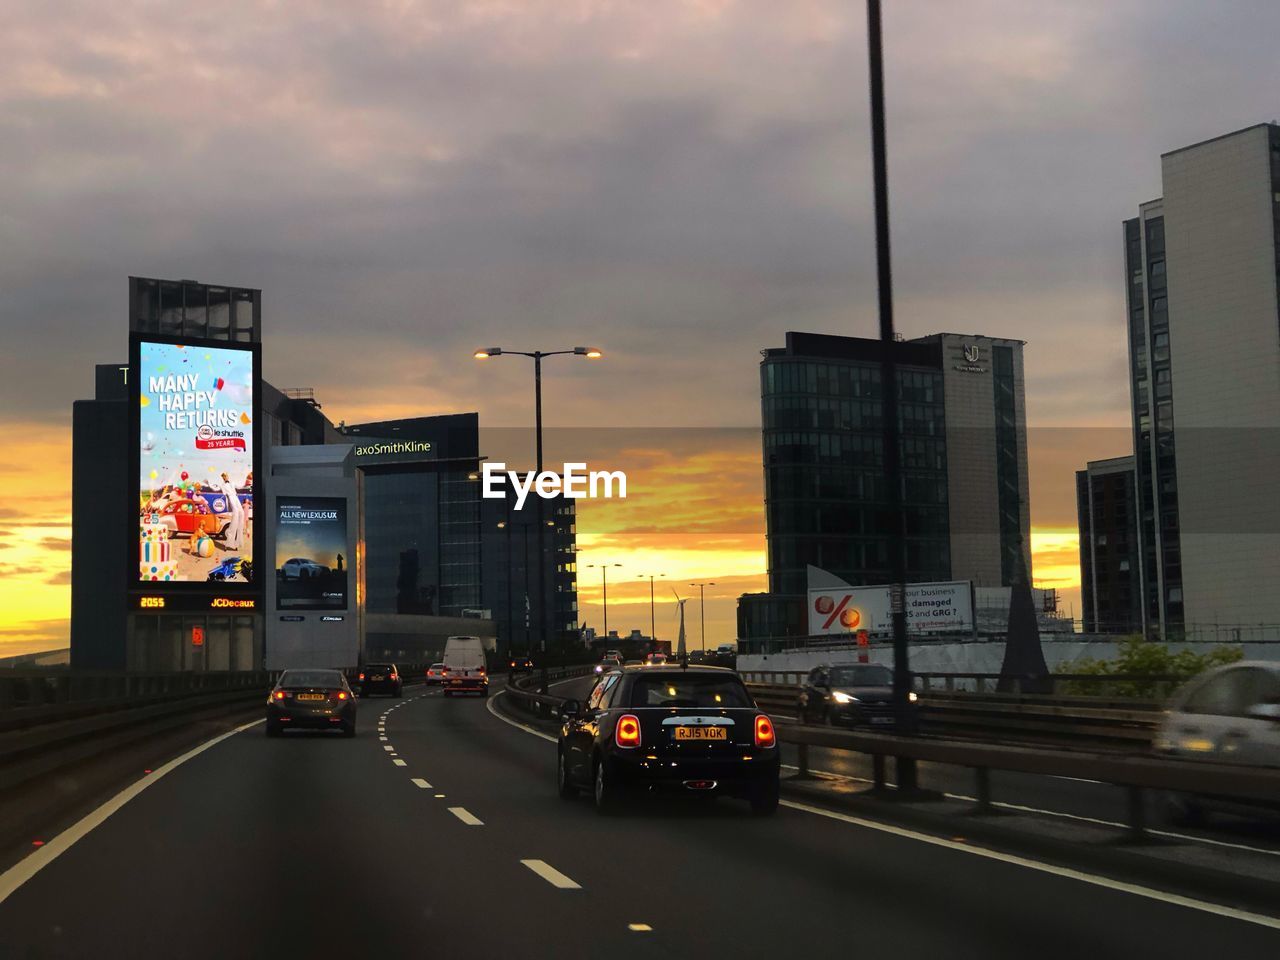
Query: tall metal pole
[604, 583]
[889, 384]
[511, 622]
[653, 629]
[542, 528]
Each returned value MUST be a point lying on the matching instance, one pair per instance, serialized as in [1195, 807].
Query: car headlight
[912, 696]
[839, 697]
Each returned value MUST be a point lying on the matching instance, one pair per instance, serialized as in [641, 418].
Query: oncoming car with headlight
[655, 729]
[849, 695]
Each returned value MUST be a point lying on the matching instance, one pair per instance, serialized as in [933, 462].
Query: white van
[464, 666]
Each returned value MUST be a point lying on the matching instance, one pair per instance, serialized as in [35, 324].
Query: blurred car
[298, 568]
[381, 678]
[849, 695]
[190, 517]
[611, 659]
[1231, 714]
[656, 659]
[520, 665]
[436, 674]
[315, 699]
[649, 730]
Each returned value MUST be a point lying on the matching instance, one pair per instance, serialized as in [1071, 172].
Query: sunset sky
[679, 183]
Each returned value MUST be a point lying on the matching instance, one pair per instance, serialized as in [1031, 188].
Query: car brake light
[362, 676]
[765, 737]
[342, 694]
[281, 694]
[482, 671]
[627, 732]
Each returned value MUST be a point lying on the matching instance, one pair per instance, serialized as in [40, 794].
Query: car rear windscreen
[311, 678]
[868, 675]
[689, 690]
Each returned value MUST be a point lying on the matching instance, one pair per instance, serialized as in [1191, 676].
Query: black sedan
[521, 665]
[381, 678]
[655, 729]
[311, 699]
[849, 695]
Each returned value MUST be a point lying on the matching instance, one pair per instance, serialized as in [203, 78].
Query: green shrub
[1140, 658]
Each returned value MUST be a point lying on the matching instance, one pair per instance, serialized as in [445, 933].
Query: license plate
[882, 719]
[702, 733]
[1198, 745]
[311, 696]
[378, 677]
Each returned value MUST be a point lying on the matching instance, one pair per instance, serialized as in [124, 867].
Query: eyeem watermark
[576, 482]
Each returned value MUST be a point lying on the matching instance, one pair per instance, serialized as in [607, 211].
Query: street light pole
[653, 623]
[536, 355]
[889, 386]
[702, 611]
[604, 583]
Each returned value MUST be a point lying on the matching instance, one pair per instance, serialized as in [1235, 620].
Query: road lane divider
[399, 763]
[1093, 879]
[42, 856]
[419, 782]
[466, 816]
[551, 875]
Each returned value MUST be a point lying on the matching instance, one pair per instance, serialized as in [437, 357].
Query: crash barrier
[1054, 684]
[997, 718]
[1133, 774]
[523, 692]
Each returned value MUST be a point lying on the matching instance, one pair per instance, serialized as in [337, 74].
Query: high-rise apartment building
[1204, 346]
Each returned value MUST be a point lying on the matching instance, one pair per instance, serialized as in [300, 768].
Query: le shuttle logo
[575, 483]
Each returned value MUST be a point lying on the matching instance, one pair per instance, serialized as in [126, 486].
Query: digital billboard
[312, 558]
[196, 455]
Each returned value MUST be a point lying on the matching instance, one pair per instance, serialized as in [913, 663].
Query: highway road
[448, 839]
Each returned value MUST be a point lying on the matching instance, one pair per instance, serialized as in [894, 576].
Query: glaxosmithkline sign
[392, 451]
[945, 607]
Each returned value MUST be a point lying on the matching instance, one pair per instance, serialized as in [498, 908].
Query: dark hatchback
[849, 695]
[311, 699]
[647, 729]
[381, 678]
[521, 665]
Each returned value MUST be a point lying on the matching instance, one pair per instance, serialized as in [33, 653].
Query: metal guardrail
[1060, 684]
[1134, 774]
[542, 706]
[1012, 718]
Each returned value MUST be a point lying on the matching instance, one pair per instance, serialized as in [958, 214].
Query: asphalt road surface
[453, 842]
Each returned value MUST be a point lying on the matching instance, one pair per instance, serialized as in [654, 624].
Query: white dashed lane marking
[388, 748]
[421, 783]
[399, 763]
[639, 927]
[466, 816]
[551, 875]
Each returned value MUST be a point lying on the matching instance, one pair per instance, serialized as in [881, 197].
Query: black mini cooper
[650, 729]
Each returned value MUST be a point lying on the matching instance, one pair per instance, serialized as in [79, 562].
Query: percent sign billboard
[931, 608]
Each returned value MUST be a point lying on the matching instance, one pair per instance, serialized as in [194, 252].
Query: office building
[1204, 347]
[964, 465]
[1110, 572]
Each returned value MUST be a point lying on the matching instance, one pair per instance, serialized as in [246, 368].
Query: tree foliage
[1150, 669]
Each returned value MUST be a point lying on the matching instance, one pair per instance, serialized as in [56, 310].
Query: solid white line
[1063, 815]
[1135, 889]
[21, 872]
[1067, 873]
[421, 783]
[489, 705]
[399, 763]
[551, 875]
[463, 814]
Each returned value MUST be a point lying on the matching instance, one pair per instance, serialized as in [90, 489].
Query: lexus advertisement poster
[195, 463]
[311, 553]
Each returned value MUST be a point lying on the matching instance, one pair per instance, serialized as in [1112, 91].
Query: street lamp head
[591, 353]
[489, 352]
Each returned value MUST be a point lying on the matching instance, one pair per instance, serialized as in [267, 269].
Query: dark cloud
[61, 578]
[676, 182]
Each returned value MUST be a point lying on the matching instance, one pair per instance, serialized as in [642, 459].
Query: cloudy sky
[679, 183]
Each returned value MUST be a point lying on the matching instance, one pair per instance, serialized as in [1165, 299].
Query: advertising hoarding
[312, 558]
[945, 607]
[197, 455]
